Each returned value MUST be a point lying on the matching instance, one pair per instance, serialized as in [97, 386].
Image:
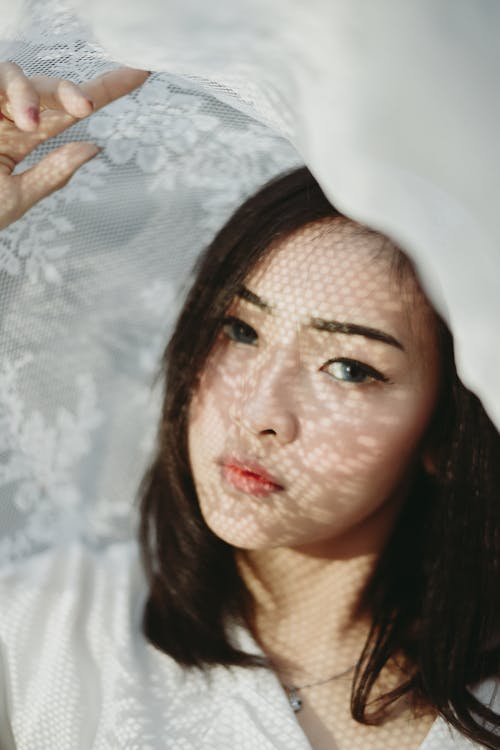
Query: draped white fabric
[392, 106]
[90, 282]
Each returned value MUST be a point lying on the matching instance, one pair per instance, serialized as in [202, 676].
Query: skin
[345, 451]
[33, 110]
[345, 446]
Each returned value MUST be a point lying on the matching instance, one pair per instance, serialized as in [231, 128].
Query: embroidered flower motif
[36, 242]
[159, 298]
[176, 161]
[161, 301]
[154, 125]
[39, 459]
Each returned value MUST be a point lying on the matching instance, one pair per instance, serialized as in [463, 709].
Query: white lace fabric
[394, 108]
[91, 280]
[406, 147]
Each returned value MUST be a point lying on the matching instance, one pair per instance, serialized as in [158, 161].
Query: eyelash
[364, 369]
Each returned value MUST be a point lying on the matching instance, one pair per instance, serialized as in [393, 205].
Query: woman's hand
[32, 110]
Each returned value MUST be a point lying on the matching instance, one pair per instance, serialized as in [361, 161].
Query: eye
[238, 331]
[352, 371]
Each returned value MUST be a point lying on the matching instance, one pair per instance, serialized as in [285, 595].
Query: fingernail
[34, 115]
[96, 149]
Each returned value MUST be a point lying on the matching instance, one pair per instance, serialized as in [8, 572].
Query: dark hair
[433, 594]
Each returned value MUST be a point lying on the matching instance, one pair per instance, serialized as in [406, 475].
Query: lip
[249, 476]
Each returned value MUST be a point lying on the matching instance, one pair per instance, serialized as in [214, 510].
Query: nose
[264, 404]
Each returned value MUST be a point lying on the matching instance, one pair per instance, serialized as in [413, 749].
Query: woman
[323, 485]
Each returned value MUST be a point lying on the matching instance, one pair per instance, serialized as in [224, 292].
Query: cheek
[364, 440]
[209, 421]
[354, 448]
[221, 390]
[212, 404]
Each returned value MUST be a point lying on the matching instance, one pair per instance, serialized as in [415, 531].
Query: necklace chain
[321, 682]
[292, 690]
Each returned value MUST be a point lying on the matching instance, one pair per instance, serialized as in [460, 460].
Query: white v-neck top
[77, 672]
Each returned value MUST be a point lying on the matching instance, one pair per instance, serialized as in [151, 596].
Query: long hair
[433, 593]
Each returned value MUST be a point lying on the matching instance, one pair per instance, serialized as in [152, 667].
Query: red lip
[249, 476]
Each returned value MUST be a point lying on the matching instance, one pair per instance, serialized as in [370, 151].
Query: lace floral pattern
[38, 458]
[172, 134]
[34, 245]
[87, 275]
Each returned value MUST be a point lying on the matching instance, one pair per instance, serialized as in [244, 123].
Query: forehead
[331, 267]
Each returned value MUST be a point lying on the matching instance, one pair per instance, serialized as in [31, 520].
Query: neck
[307, 615]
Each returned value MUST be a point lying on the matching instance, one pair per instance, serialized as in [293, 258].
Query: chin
[258, 539]
[242, 540]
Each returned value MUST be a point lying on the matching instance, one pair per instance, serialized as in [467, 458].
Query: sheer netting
[394, 109]
[89, 295]
[408, 148]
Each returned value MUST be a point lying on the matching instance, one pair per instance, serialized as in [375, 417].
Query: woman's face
[325, 375]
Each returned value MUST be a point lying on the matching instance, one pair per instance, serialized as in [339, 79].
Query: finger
[56, 93]
[21, 101]
[113, 84]
[102, 90]
[52, 173]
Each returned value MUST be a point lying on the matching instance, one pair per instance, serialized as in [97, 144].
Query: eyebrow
[331, 326]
